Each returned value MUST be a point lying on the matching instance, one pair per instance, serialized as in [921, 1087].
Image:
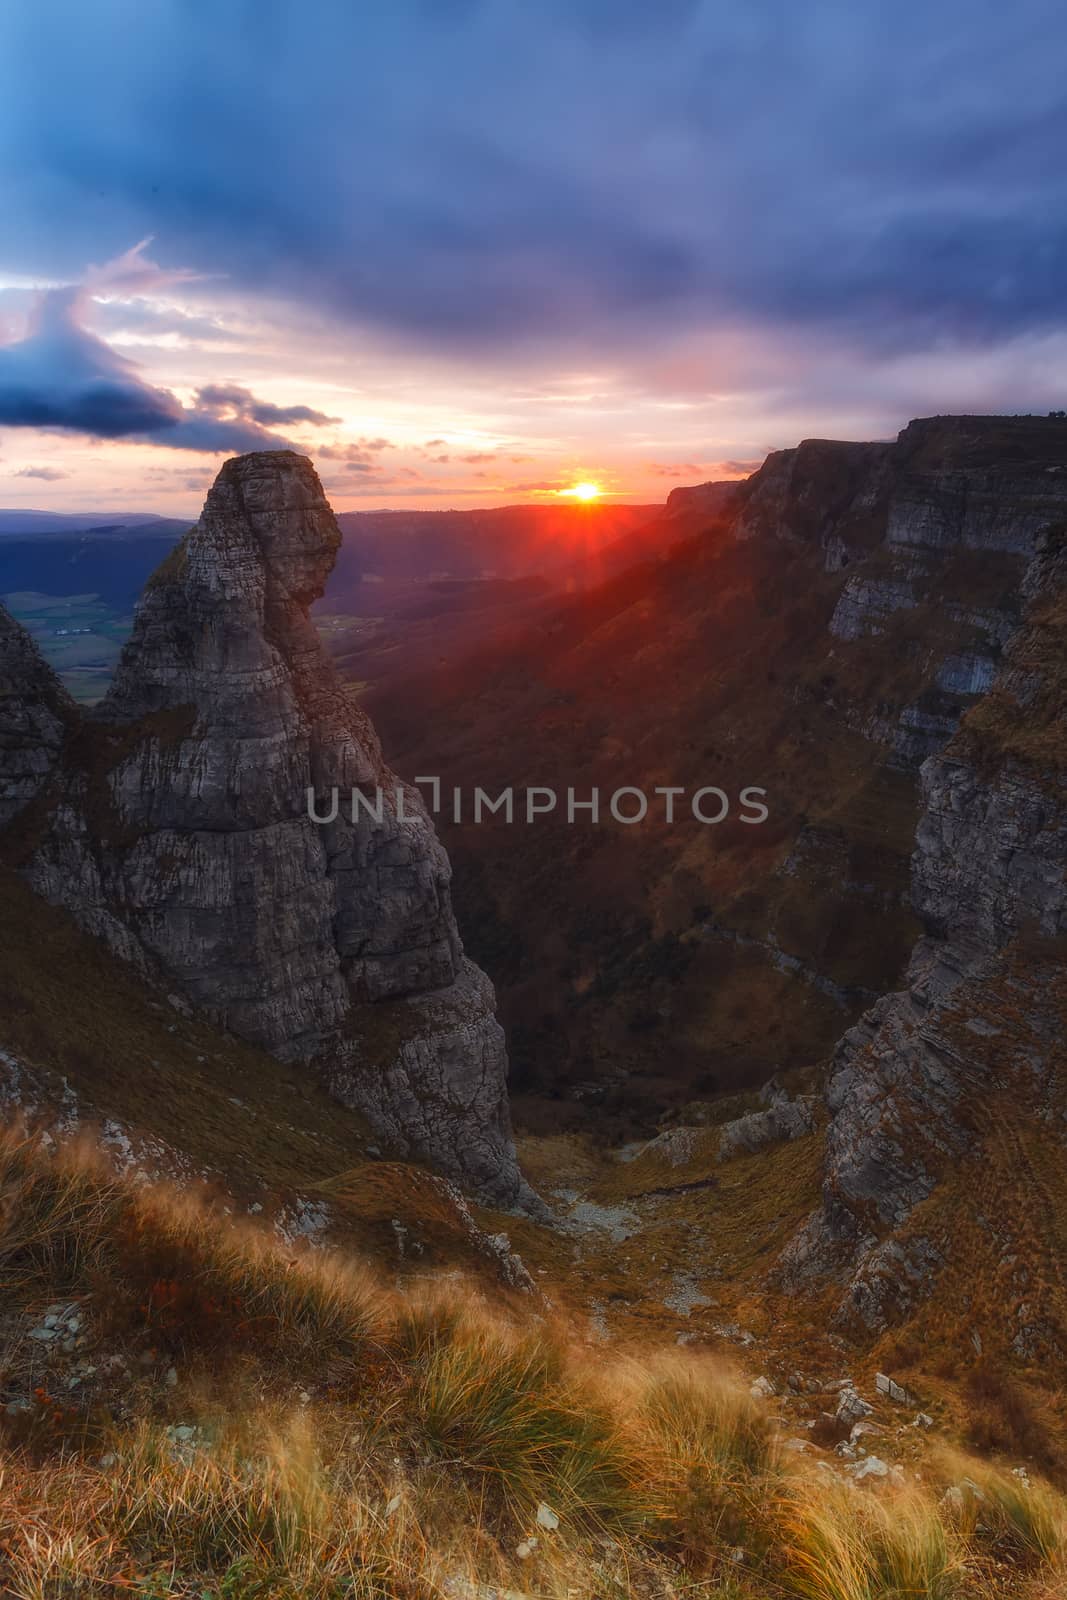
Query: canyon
[848, 1003]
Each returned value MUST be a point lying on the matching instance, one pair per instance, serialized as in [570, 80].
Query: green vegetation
[79, 635]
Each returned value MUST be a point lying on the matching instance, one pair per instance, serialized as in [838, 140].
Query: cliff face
[34, 714]
[982, 1013]
[175, 826]
[706, 499]
[933, 534]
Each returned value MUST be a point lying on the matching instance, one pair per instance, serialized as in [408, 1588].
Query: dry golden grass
[848, 1546]
[444, 1447]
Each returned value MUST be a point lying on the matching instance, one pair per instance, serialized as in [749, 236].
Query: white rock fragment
[851, 1407]
[895, 1391]
[869, 1467]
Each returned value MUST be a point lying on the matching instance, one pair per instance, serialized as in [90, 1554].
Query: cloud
[154, 323]
[134, 273]
[47, 474]
[61, 377]
[221, 400]
[873, 200]
[860, 170]
[677, 469]
[346, 451]
[480, 456]
[379, 490]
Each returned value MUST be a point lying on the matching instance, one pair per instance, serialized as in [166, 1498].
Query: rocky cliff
[980, 1021]
[35, 712]
[174, 824]
[711, 500]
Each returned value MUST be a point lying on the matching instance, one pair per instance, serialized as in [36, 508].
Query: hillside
[416, 1447]
[421, 586]
[821, 644]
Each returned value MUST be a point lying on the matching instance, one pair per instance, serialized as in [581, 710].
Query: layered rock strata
[982, 1008]
[174, 823]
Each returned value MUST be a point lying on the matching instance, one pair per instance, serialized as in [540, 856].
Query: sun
[583, 491]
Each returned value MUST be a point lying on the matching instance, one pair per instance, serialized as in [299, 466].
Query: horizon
[501, 254]
[603, 498]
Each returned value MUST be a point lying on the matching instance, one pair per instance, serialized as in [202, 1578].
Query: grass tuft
[844, 1544]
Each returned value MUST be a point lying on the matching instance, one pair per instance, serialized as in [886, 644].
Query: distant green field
[79, 635]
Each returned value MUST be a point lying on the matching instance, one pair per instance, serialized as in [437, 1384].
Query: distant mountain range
[53, 554]
[501, 542]
[111, 555]
[22, 521]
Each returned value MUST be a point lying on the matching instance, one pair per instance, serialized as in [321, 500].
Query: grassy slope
[196, 1100]
[69, 1006]
[248, 1426]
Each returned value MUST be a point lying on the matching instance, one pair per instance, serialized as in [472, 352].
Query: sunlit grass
[844, 1544]
[1015, 1515]
[458, 1449]
[505, 1404]
[67, 1224]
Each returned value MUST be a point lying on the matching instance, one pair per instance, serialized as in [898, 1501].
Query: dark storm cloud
[230, 400]
[63, 378]
[590, 170]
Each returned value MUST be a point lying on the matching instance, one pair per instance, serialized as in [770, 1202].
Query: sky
[470, 252]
